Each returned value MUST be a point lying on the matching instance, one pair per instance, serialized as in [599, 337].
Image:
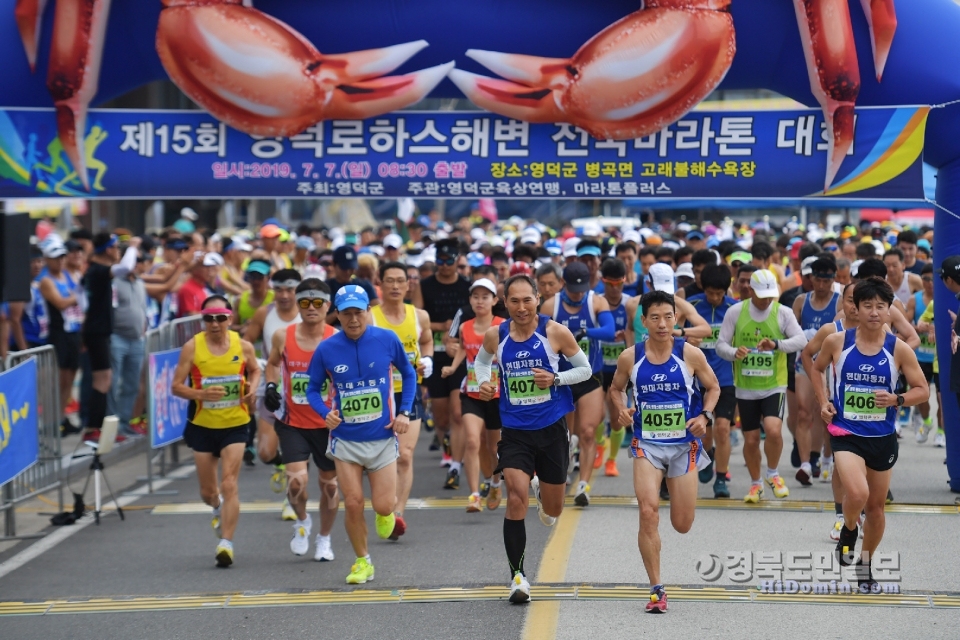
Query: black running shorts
[879, 453]
[727, 404]
[583, 388]
[752, 412]
[545, 452]
[440, 387]
[98, 350]
[488, 411]
[207, 440]
[297, 445]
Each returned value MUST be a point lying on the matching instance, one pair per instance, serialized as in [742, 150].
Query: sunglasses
[831, 248]
[306, 302]
[326, 263]
[927, 278]
[614, 282]
[209, 319]
[446, 262]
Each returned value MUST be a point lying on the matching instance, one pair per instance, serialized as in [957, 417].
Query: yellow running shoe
[215, 523]
[286, 511]
[278, 481]
[779, 488]
[224, 553]
[384, 527]
[361, 572]
[493, 498]
[474, 505]
[756, 491]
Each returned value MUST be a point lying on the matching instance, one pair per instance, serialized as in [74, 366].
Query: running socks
[456, 466]
[97, 410]
[515, 542]
[616, 440]
[838, 507]
[772, 473]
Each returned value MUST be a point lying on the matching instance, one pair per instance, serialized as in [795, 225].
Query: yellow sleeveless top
[409, 333]
[228, 371]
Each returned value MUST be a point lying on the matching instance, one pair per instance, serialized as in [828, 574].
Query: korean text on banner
[168, 413]
[19, 435]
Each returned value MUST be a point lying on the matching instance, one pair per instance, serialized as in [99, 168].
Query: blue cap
[695, 235]
[184, 226]
[713, 241]
[259, 266]
[588, 250]
[554, 247]
[923, 243]
[272, 221]
[476, 259]
[351, 296]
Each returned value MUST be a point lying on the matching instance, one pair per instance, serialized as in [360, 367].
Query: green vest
[759, 371]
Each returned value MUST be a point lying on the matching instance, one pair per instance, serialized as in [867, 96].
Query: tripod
[96, 470]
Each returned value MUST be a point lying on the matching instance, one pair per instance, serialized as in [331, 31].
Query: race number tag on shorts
[710, 342]
[757, 364]
[927, 347]
[612, 351]
[522, 390]
[472, 385]
[361, 405]
[860, 404]
[231, 386]
[438, 346]
[661, 421]
[298, 387]
[397, 376]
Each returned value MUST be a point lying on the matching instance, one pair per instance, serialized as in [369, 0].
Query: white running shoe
[287, 512]
[544, 518]
[324, 552]
[826, 471]
[215, 521]
[923, 432]
[519, 589]
[582, 499]
[300, 543]
[939, 440]
[835, 529]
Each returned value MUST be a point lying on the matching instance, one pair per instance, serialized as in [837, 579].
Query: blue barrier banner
[168, 413]
[706, 155]
[19, 433]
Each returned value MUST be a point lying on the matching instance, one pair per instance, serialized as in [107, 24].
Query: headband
[313, 294]
[286, 284]
[112, 242]
[213, 311]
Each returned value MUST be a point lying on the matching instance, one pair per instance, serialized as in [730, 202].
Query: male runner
[587, 315]
[661, 278]
[927, 351]
[301, 431]
[534, 400]
[903, 283]
[364, 426]
[613, 274]
[223, 373]
[861, 414]
[713, 305]
[756, 336]
[412, 326]
[670, 418]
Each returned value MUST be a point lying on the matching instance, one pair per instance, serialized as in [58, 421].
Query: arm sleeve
[725, 348]
[127, 264]
[407, 372]
[581, 369]
[455, 324]
[607, 329]
[482, 365]
[796, 339]
[318, 375]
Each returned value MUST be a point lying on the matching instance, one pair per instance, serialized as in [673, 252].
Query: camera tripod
[96, 471]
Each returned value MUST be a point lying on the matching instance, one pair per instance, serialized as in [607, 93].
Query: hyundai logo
[340, 368]
[866, 368]
[523, 354]
[658, 377]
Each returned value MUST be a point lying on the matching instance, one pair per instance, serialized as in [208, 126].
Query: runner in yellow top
[412, 326]
[222, 372]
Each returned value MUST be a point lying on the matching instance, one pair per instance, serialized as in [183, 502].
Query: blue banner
[706, 155]
[168, 413]
[19, 431]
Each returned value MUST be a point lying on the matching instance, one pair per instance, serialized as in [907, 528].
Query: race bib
[710, 342]
[927, 347]
[612, 351]
[438, 346]
[72, 318]
[397, 376]
[298, 387]
[860, 404]
[231, 385]
[472, 385]
[584, 345]
[757, 364]
[522, 390]
[662, 421]
[361, 405]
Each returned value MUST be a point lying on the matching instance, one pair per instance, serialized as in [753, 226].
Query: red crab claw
[74, 71]
[262, 77]
[882, 18]
[632, 79]
[834, 70]
[29, 14]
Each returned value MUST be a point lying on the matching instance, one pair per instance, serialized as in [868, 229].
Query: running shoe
[610, 469]
[385, 525]
[576, 460]
[706, 474]
[519, 589]
[361, 572]
[923, 432]
[658, 600]
[664, 491]
[835, 529]
[287, 513]
[473, 506]
[544, 518]
[889, 497]
[795, 456]
[598, 458]
[779, 488]
[940, 440]
[720, 489]
[224, 553]
[865, 581]
[756, 492]
[826, 471]
[446, 460]
[92, 436]
[582, 499]
[300, 543]
[278, 480]
[324, 552]
[67, 428]
[734, 437]
[72, 407]
[493, 498]
[803, 477]
[484, 489]
[215, 521]
[249, 454]
[399, 527]
[446, 444]
[847, 546]
[453, 480]
[435, 443]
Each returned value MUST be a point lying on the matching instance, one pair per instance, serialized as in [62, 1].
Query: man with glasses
[222, 371]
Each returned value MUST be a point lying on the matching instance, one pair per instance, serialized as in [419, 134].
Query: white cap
[497, 241]
[414, 260]
[393, 241]
[570, 247]
[631, 235]
[477, 234]
[189, 214]
[239, 243]
[376, 250]
[429, 254]
[805, 268]
[213, 260]
[685, 270]
[53, 247]
[661, 278]
[855, 268]
[879, 247]
[592, 230]
[530, 235]
[486, 283]
[764, 284]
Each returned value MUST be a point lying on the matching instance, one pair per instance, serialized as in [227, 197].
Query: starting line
[539, 593]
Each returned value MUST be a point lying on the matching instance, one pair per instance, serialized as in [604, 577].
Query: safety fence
[46, 475]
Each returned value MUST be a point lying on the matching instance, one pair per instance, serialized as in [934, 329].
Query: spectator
[194, 291]
[30, 322]
[127, 344]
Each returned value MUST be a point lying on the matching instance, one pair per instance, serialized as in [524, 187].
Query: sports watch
[405, 414]
[709, 416]
[900, 399]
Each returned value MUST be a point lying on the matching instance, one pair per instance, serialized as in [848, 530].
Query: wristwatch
[709, 416]
[900, 400]
[556, 379]
[405, 414]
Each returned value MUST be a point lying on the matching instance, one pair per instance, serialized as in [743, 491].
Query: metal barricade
[182, 329]
[46, 475]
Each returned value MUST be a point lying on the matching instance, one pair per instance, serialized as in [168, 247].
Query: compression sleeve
[318, 375]
[408, 374]
[127, 264]
[482, 365]
[607, 329]
[581, 369]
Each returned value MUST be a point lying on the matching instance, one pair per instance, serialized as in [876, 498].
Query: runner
[672, 417]
[301, 431]
[412, 326]
[479, 417]
[661, 278]
[713, 305]
[223, 373]
[926, 352]
[614, 277]
[258, 296]
[756, 336]
[861, 416]
[903, 283]
[587, 315]
[534, 400]
[363, 437]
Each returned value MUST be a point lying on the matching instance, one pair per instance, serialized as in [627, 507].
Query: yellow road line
[544, 613]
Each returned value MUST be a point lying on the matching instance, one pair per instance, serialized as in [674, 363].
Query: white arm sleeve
[127, 264]
[482, 365]
[580, 372]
